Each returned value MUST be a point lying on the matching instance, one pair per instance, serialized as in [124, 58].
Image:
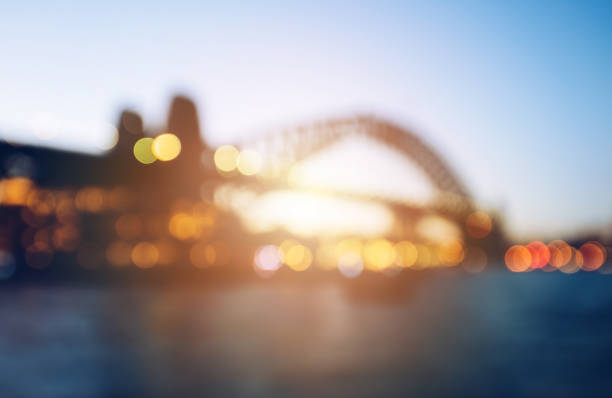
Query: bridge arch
[296, 144]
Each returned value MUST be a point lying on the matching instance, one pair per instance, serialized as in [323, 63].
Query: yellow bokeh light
[143, 150]
[296, 256]
[183, 226]
[406, 254]
[249, 162]
[286, 245]
[425, 257]
[226, 158]
[166, 147]
[14, 191]
[351, 245]
[378, 255]
[451, 253]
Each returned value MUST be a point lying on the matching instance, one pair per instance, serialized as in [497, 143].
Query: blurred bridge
[99, 193]
[288, 147]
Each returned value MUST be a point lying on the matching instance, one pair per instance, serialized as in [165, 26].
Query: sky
[516, 96]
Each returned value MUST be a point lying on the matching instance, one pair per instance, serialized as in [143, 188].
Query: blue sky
[516, 96]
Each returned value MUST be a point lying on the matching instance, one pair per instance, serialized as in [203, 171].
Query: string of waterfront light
[186, 232]
[193, 223]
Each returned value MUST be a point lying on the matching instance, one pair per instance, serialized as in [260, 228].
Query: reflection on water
[494, 333]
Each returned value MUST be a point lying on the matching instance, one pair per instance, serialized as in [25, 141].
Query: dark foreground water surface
[493, 334]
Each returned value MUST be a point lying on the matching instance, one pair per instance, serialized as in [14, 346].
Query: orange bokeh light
[145, 255]
[540, 254]
[560, 253]
[518, 258]
[593, 256]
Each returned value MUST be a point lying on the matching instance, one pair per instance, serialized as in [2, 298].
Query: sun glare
[309, 214]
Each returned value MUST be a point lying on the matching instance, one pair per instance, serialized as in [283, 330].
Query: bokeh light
[183, 226]
[145, 255]
[267, 260]
[560, 253]
[166, 147]
[575, 263]
[348, 245]
[593, 255]
[296, 256]
[518, 258]
[406, 254]
[540, 254]
[226, 158]
[249, 162]
[451, 253]
[378, 254]
[14, 191]
[426, 257]
[143, 150]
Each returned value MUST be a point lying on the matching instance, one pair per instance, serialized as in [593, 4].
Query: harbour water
[492, 334]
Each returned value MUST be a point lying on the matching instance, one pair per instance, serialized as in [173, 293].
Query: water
[493, 334]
